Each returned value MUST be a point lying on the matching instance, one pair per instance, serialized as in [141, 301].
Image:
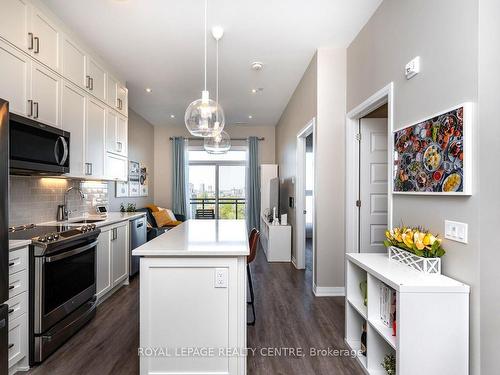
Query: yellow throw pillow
[163, 219]
[152, 207]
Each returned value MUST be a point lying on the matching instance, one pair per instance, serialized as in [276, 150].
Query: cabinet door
[14, 79]
[116, 167]
[94, 138]
[111, 120]
[45, 89]
[119, 248]
[73, 112]
[14, 24]
[97, 76]
[73, 62]
[122, 135]
[103, 259]
[46, 39]
[111, 92]
[122, 97]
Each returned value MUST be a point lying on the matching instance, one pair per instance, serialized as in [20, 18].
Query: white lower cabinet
[18, 311]
[112, 257]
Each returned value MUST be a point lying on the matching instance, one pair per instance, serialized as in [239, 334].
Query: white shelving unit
[276, 241]
[432, 318]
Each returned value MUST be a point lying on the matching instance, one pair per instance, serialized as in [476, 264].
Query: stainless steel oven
[36, 148]
[62, 283]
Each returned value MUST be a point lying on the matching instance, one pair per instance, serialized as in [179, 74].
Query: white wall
[445, 35]
[140, 148]
[489, 203]
[320, 94]
[163, 153]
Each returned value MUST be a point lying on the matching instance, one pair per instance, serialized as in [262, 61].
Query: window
[217, 183]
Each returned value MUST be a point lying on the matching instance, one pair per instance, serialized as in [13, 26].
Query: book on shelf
[387, 305]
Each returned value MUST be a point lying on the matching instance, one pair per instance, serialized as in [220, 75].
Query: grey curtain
[253, 185]
[180, 176]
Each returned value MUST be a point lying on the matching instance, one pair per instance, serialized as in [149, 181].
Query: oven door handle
[71, 253]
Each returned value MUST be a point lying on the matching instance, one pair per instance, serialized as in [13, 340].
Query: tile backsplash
[35, 199]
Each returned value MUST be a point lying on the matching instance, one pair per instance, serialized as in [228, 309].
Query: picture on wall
[121, 189]
[433, 156]
[143, 180]
[134, 173]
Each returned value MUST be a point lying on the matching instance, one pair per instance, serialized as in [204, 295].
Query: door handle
[35, 104]
[30, 106]
[61, 160]
[30, 41]
[37, 44]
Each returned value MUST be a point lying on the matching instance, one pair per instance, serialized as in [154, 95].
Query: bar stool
[253, 241]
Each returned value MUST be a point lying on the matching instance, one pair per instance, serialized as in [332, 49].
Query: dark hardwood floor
[288, 316]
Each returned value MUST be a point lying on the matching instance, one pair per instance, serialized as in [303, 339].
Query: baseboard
[294, 262]
[328, 291]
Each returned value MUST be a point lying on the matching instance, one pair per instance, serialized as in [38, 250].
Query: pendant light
[204, 117]
[219, 143]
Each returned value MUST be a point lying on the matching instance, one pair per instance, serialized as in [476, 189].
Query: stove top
[49, 233]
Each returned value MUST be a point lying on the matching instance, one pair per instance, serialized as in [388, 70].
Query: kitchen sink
[87, 221]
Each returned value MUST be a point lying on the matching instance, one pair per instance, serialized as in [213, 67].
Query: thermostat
[102, 210]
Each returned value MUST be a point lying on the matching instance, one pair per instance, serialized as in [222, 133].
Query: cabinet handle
[119, 144]
[30, 107]
[37, 44]
[88, 169]
[11, 346]
[36, 109]
[91, 84]
[87, 82]
[11, 264]
[119, 104]
[11, 311]
[11, 287]
[30, 41]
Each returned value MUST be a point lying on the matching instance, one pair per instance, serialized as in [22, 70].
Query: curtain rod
[232, 139]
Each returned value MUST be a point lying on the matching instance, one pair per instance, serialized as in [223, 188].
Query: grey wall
[445, 35]
[489, 154]
[140, 148]
[163, 153]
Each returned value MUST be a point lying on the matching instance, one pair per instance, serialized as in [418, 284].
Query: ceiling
[159, 44]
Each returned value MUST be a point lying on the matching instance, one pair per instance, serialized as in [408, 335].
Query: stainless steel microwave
[36, 148]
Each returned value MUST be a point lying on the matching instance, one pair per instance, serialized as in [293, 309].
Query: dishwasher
[137, 238]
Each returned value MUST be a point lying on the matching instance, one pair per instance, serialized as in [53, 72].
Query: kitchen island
[193, 299]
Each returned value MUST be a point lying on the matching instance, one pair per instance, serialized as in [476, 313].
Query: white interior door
[373, 184]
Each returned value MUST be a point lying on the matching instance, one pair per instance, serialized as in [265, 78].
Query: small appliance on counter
[62, 282]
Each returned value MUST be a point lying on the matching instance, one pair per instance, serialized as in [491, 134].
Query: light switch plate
[456, 231]
[220, 278]
[412, 68]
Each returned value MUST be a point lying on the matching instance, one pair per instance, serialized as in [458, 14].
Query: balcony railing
[228, 208]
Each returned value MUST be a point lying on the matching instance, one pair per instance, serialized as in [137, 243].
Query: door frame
[300, 198]
[381, 97]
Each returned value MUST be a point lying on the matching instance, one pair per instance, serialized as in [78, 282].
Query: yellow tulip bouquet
[415, 240]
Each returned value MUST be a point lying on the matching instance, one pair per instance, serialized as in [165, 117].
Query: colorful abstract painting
[432, 156]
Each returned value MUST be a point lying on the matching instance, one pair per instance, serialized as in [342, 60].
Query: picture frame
[434, 156]
[121, 189]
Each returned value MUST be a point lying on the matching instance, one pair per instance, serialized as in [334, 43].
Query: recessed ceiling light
[257, 65]
[148, 89]
[172, 116]
[255, 91]
[250, 116]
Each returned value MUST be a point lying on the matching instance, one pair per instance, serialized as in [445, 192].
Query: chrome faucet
[65, 205]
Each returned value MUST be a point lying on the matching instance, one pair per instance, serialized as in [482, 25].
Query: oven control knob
[56, 236]
[50, 237]
[84, 228]
[92, 226]
[42, 239]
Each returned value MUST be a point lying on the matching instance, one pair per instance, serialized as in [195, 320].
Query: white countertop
[17, 244]
[111, 218]
[200, 238]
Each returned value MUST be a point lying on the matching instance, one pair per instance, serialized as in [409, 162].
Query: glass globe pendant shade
[219, 144]
[204, 117]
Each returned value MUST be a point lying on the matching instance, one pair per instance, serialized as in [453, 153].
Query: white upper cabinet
[94, 139]
[122, 99]
[116, 167]
[45, 95]
[73, 62]
[73, 113]
[111, 120]
[15, 21]
[111, 93]
[46, 36]
[14, 78]
[122, 135]
[96, 79]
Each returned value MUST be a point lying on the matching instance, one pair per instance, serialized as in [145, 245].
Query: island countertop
[204, 238]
